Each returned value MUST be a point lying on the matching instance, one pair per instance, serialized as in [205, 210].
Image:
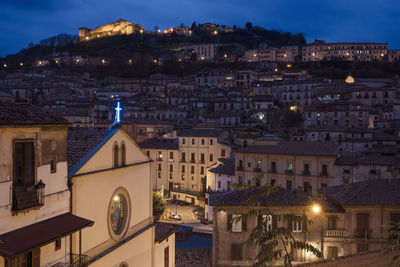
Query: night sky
[24, 21]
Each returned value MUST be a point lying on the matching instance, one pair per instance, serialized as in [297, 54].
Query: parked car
[175, 217]
[205, 221]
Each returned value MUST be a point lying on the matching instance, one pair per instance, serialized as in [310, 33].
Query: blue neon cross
[118, 110]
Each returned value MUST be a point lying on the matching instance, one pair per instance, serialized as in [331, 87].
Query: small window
[193, 142]
[236, 225]
[202, 142]
[183, 141]
[289, 184]
[211, 158]
[53, 164]
[148, 153]
[236, 252]
[297, 226]
[166, 256]
[171, 155]
[222, 152]
[57, 244]
[116, 152]
[211, 142]
[123, 155]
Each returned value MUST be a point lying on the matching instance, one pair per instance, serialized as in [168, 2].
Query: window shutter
[244, 224]
[290, 224]
[274, 222]
[229, 222]
[259, 220]
[304, 224]
[36, 257]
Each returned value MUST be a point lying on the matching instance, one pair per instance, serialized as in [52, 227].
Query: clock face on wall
[119, 213]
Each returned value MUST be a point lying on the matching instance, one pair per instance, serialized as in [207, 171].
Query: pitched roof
[367, 193]
[84, 140]
[164, 230]
[39, 234]
[20, 114]
[171, 144]
[227, 167]
[293, 148]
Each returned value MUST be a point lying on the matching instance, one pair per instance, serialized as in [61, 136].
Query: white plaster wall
[103, 159]
[136, 252]
[159, 251]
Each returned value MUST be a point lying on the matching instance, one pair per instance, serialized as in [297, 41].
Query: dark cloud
[24, 21]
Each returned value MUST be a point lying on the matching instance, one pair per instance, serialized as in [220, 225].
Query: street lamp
[316, 208]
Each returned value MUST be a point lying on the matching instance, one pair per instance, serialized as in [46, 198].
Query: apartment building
[292, 165]
[204, 51]
[182, 163]
[320, 50]
[349, 219]
[335, 114]
[284, 54]
[352, 168]
[35, 211]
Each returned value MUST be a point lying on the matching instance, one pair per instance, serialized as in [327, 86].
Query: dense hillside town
[84, 147]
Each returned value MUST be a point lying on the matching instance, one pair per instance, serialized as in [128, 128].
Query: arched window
[116, 150]
[123, 155]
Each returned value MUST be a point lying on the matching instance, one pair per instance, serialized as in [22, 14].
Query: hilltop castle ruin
[119, 27]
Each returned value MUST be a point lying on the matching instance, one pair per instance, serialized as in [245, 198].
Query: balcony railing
[257, 169]
[183, 160]
[239, 168]
[372, 172]
[192, 161]
[324, 174]
[289, 171]
[78, 260]
[272, 170]
[338, 233]
[306, 173]
[202, 161]
[363, 233]
[346, 171]
[27, 196]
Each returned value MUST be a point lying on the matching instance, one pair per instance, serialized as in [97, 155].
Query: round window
[119, 213]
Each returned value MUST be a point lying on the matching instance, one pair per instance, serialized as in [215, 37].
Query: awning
[39, 234]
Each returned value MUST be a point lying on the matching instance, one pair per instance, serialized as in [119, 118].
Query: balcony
[159, 159]
[373, 172]
[27, 196]
[170, 159]
[324, 174]
[289, 171]
[363, 233]
[192, 161]
[239, 168]
[305, 173]
[202, 161]
[272, 170]
[77, 260]
[183, 160]
[338, 233]
[257, 169]
[346, 171]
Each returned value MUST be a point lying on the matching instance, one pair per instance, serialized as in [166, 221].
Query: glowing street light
[316, 208]
[21, 64]
[5, 65]
[215, 32]
[87, 37]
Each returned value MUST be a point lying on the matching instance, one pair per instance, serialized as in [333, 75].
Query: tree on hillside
[194, 26]
[249, 25]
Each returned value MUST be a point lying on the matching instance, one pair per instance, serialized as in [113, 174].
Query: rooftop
[367, 193]
[293, 148]
[20, 114]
